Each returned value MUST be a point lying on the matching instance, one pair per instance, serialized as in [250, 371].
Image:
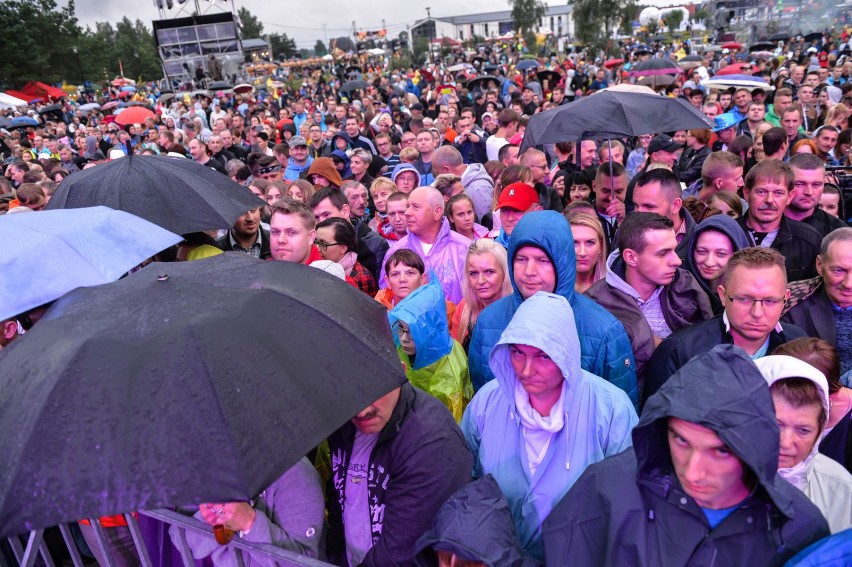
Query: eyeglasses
[539, 166]
[400, 330]
[749, 302]
[323, 246]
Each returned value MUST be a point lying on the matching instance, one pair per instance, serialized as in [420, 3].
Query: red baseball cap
[519, 196]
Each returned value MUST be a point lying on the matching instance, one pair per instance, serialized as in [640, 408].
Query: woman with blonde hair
[486, 280]
[589, 248]
[838, 116]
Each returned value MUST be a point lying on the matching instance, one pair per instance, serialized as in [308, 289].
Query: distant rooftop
[499, 16]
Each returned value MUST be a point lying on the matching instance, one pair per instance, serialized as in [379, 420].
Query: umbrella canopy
[612, 63]
[761, 46]
[134, 115]
[737, 69]
[356, 85]
[628, 88]
[736, 81]
[656, 80]
[526, 65]
[460, 67]
[89, 106]
[813, 36]
[243, 88]
[732, 45]
[22, 122]
[612, 114]
[177, 194]
[781, 36]
[110, 105]
[4, 122]
[184, 383]
[655, 66]
[690, 61]
[659, 37]
[479, 61]
[9, 101]
[552, 77]
[57, 251]
[480, 82]
[50, 108]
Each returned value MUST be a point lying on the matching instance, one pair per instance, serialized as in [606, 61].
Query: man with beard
[247, 236]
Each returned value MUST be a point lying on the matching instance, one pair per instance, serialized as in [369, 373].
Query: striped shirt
[652, 309]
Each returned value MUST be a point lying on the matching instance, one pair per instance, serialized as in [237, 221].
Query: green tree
[597, 20]
[652, 27]
[701, 15]
[134, 45]
[320, 49]
[526, 14]
[283, 47]
[629, 15]
[250, 26]
[38, 36]
[673, 20]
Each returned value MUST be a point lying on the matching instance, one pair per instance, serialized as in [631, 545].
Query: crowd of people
[619, 351]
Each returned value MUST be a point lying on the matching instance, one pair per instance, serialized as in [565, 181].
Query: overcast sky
[300, 20]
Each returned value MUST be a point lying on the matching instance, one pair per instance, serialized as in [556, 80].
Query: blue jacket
[293, 171]
[604, 343]
[598, 419]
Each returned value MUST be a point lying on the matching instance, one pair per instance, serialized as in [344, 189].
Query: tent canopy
[39, 89]
[7, 101]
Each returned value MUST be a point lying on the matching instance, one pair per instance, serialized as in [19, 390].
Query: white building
[557, 20]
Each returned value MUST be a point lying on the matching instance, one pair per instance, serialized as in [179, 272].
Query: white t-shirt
[493, 145]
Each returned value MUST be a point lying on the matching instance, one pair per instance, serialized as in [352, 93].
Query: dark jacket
[690, 163]
[631, 509]
[473, 152]
[420, 459]
[727, 226]
[823, 222]
[548, 198]
[797, 242]
[676, 350]
[683, 303]
[475, 524]
[224, 244]
[371, 247]
[811, 310]
[683, 245]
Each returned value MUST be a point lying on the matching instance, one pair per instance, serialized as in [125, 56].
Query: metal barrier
[37, 548]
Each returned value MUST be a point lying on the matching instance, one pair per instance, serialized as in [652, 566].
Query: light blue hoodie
[598, 419]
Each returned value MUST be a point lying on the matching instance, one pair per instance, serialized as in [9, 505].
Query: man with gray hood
[699, 486]
[478, 185]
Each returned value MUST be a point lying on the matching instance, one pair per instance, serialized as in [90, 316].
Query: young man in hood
[541, 258]
[543, 420]
[477, 183]
[699, 487]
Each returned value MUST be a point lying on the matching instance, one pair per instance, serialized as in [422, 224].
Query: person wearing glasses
[753, 291]
[336, 242]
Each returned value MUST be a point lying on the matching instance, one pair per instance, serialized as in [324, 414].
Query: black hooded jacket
[475, 524]
[630, 509]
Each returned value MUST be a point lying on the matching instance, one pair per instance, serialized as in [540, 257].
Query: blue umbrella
[526, 64]
[128, 89]
[23, 122]
[49, 253]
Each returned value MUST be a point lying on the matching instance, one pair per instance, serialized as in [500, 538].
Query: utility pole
[431, 31]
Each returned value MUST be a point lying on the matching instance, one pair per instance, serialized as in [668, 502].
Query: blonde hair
[473, 306]
[582, 217]
[409, 155]
[383, 183]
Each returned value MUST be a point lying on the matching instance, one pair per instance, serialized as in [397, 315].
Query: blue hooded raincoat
[440, 365]
[598, 418]
[604, 344]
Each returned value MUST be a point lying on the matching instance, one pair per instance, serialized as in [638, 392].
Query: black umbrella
[177, 194]
[655, 66]
[481, 82]
[490, 68]
[659, 37]
[813, 36]
[184, 383]
[761, 46]
[343, 43]
[552, 77]
[781, 36]
[612, 114]
[356, 85]
[478, 61]
[51, 108]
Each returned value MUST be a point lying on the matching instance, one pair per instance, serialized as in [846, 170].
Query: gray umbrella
[183, 383]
